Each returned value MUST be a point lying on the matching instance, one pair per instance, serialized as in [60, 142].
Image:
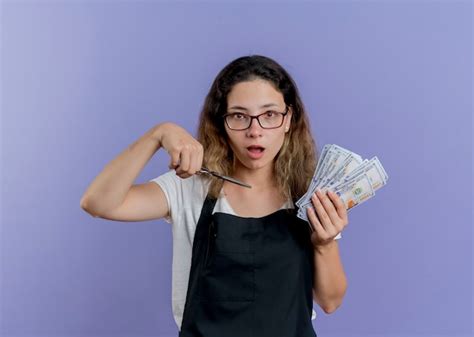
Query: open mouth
[256, 149]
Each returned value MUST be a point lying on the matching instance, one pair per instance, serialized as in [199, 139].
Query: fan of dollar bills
[354, 179]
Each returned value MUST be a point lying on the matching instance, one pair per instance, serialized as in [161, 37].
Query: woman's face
[253, 98]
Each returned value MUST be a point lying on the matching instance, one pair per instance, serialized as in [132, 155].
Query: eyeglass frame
[256, 117]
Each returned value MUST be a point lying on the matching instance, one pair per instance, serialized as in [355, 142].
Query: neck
[260, 179]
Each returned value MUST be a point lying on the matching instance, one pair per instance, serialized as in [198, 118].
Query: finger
[313, 220]
[193, 163]
[195, 159]
[200, 157]
[321, 211]
[174, 159]
[339, 204]
[329, 208]
[185, 160]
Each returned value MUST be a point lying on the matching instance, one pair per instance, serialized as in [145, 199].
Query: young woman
[243, 263]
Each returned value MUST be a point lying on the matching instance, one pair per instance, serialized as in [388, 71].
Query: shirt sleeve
[338, 236]
[171, 184]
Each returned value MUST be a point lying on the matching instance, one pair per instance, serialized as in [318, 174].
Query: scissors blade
[232, 180]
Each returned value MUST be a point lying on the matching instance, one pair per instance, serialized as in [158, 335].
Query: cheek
[234, 142]
[278, 142]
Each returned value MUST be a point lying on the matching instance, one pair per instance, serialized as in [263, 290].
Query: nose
[254, 129]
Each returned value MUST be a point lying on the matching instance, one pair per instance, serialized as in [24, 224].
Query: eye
[270, 114]
[238, 116]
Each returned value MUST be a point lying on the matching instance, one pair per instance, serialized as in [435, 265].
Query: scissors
[215, 174]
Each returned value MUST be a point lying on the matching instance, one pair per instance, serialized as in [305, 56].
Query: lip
[255, 155]
[255, 145]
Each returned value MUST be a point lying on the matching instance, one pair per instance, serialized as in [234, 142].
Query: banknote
[347, 174]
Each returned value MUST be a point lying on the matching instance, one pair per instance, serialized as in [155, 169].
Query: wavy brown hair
[295, 163]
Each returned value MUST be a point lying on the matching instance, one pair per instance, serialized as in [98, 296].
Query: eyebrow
[263, 106]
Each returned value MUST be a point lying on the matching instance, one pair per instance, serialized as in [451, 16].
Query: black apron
[249, 277]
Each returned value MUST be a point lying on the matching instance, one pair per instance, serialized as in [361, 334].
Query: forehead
[254, 94]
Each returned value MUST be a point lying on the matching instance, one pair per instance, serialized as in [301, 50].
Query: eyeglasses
[267, 120]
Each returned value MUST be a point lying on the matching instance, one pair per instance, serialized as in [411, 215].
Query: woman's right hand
[185, 151]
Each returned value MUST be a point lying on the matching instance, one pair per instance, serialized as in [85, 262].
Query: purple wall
[81, 80]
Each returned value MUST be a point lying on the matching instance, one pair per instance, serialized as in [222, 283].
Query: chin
[255, 164]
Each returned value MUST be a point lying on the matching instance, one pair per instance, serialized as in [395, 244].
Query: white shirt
[185, 200]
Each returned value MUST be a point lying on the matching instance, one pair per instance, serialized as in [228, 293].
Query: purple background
[82, 80]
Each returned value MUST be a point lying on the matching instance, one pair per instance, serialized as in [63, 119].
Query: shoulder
[182, 194]
[195, 183]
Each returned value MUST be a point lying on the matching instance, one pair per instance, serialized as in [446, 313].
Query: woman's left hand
[330, 220]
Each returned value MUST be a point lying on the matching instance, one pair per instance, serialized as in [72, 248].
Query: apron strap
[208, 205]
